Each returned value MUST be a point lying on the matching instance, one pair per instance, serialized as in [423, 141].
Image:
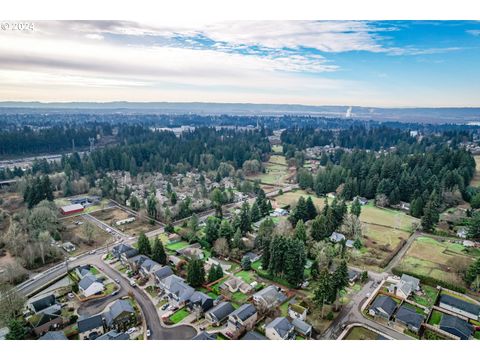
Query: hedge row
[427, 280]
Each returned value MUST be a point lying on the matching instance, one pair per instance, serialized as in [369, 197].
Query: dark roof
[281, 325]
[409, 316]
[43, 303]
[222, 310]
[456, 326]
[199, 298]
[460, 304]
[114, 335]
[163, 272]
[88, 280]
[90, 323]
[244, 312]
[54, 335]
[253, 335]
[386, 303]
[204, 336]
[130, 253]
[118, 308]
[120, 249]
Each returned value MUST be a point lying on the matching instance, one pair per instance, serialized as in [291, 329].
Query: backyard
[362, 333]
[112, 215]
[178, 316]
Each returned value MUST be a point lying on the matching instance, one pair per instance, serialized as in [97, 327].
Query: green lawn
[291, 198]
[94, 270]
[284, 308]
[429, 297]
[177, 246]
[387, 217]
[239, 298]
[178, 316]
[435, 318]
[277, 148]
[476, 335]
[246, 276]
[361, 333]
[110, 288]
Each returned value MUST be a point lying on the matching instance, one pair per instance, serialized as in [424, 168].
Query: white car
[131, 330]
[70, 295]
[133, 283]
[148, 333]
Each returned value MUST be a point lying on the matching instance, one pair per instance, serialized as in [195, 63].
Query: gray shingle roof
[301, 326]
[253, 335]
[460, 304]
[222, 310]
[88, 280]
[244, 312]
[409, 316]
[281, 325]
[54, 335]
[90, 323]
[456, 326]
[43, 303]
[385, 303]
[204, 336]
[163, 272]
[114, 335]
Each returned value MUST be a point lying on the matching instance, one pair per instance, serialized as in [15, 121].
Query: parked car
[165, 306]
[133, 283]
[115, 292]
[117, 281]
[70, 295]
[148, 333]
[131, 330]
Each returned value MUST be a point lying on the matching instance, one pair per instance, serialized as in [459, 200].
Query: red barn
[71, 209]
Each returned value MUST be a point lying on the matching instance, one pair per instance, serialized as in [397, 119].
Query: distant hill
[423, 115]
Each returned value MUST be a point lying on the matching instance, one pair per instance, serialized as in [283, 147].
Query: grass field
[387, 217]
[361, 333]
[442, 261]
[435, 318]
[278, 159]
[276, 171]
[277, 149]
[247, 276]
[429, 297]
[179, 316]
[73, 230]
[291, 198]
[177, 246]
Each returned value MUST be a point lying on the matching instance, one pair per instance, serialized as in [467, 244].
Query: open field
[440, 260]
[387, 217]
[112, 215]
[291, 198]
[361, 333]
[74, 230]
[476, 177]
[276, 171]
[277, 149]
[380, 243]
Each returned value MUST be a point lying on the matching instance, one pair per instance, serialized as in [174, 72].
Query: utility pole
[92, 143]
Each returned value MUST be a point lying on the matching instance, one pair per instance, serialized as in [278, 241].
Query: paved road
[396, 259]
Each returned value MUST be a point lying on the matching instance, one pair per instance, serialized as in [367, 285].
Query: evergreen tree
[319, 229]
[219, 271]
[245, 221]
[237, 240]
[416, 207]
[255, 214]
[195, 273]
[473, 229]
[472, 276]
[158, 252]
[430, 216]
[246, 263]
[295, 259]
[300, 232]
[144, 247]
[311, 209]
[340, 277]
[324, 291]
[213, 273]
[17, 330]
[211, 229]
[356, 208]
[226, 230]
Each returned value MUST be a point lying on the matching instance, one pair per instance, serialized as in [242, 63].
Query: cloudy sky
[295, 62]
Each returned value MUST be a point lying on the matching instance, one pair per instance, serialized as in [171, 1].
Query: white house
[89, 286]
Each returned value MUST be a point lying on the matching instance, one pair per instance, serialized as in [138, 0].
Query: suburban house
[148, 267]
[136, 261]
[462, 233]
[128, 254]
[279, 212]
[119, 249]
[162, 273]
[46, 303]
[252, 256]
[268, 297]
[90, 328]
[191, 252]
[204, 336]
[337, 237]
[89, 286]
[280, 329]
[235, 284]
[241, 320]
[461, 307]
[352, 276]
[253, 335]
[54, 335]
[383, 306]
[409, 318]
[296, 311]
[83, 271]
[405, 286]
[362, 200]
[120, 315]
[302, 328]
[200, 301]
[219, 313]
[349, 244]
[456, 326]
[175, 260]
[176, 289]
[46, 320]
[114, 335]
